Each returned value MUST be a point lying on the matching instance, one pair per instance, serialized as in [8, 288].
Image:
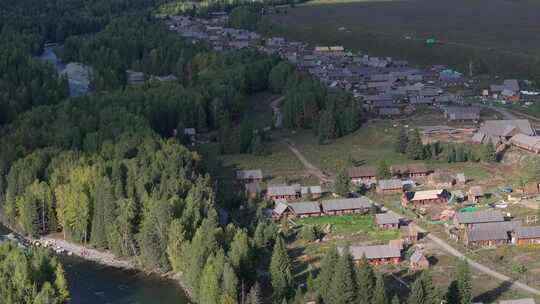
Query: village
[470, 216]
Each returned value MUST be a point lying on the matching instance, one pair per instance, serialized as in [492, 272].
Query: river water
[91, 283]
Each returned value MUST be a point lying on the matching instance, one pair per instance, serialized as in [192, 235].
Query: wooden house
[388, 220]
[409, 233]
[411, 171]
[475, 193]
[527, 235]
[363, 175]
[441, 179]
[485, 238]
[464, 220]
[305, 209]
[390, 186]
[377, 254]
[287, 193]
[346, 206]
[418, 261]
[249, 176]
[252, 190]
[425, 198]
[281, 210]
[316, 192]
[526, 142]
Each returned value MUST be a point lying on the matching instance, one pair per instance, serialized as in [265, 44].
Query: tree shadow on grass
[492, 295]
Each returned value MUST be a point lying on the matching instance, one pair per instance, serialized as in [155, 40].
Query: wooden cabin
[363, 175]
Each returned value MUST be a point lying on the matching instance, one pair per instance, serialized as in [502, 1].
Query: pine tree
[239, 254]
[417, 295]
[452, 295]
[430, 291]
[343, 288]
[325, 277]
[366, 281]
[280, 271]
[254, 295]
[380, 291]
[342, 183]
[401, 143]
[383, 171]
[464, 282]
[229, 282]
[395, 299]
[61, 285]
[415, 148]
[489, 153]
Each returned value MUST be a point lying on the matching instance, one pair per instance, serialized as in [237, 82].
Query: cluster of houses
[489, 228]
[387, 87]
[518, 132]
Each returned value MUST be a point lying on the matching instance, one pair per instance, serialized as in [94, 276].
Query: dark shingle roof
[364, 171]
[346, 204]
[375, 252]
[487, 235]
[386, 184]
[305, 207]
[386, 218]
[409, 168]
[483, 216]
[281, 190]
[528, 232]
[249, 174]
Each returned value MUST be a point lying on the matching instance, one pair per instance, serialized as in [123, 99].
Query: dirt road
[312, 169]
[475, 265]
[277, 111]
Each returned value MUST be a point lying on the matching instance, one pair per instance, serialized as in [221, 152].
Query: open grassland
[488, 31]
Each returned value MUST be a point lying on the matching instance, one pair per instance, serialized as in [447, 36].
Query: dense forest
[31, 276]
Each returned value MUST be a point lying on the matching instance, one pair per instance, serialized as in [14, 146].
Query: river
[91, 283]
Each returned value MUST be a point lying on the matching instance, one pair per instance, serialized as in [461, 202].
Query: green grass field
[342, 224]
[469, 29]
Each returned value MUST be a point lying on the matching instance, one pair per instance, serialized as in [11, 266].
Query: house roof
[281, 190]
[253, 187]
[462, 113]
[426, 195]
[500, 128]
[506, 226]
[249, 174]
[417, 256]
[386, 218]
[532, 142]
[305, 207]
[375, 252]
[389, 111]
[409, 168]
[487, 235]
[528, 232]
[518, 301]
[313, 189]
[476, 191]
[387, 184]
[363, 171]
[346, 204]
[280, 208]
[483, 216]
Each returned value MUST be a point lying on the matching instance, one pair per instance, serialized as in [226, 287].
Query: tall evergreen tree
[383, 171]
[417, 295]
[380, 291]
[366, 281]
[280, 271]
[464, 282]
[326, 275]
[415, 148]
[343, 288]
[254, 295]
[401, 141]
[342, 183]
